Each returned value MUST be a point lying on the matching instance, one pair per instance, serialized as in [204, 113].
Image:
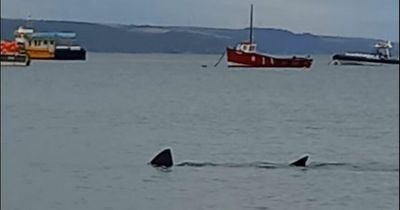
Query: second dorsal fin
[300, 162]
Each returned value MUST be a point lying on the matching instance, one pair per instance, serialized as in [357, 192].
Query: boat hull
[15, 60]
[70, 54]
[341, 59]
[237, 58]
[64, 53]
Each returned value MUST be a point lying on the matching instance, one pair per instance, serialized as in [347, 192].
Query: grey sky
[355, 18]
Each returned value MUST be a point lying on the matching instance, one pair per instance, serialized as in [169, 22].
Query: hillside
[157, 39]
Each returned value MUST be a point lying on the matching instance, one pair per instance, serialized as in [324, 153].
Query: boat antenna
[29, 21]
[251, 24]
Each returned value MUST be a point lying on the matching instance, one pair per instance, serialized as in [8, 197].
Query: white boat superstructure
[381, 56]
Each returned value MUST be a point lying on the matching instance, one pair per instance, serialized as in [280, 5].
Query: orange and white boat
[50, 45]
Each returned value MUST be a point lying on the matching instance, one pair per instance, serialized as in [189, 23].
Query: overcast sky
[354, 18]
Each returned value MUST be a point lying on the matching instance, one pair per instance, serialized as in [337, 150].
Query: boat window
[30, 43]
[45, 42]
[51, 42]
[252, 48]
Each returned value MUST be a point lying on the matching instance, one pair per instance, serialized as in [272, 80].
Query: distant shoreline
[183, 26]
[148, 39]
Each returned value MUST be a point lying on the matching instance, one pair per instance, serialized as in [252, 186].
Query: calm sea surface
[78, 135]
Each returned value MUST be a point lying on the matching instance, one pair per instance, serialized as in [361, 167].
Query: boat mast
[251, 24]
[29, 21]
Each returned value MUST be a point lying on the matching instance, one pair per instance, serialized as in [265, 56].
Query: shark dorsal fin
[163, 159]
[300, 162]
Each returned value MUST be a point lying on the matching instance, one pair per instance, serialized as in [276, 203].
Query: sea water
[79, 135]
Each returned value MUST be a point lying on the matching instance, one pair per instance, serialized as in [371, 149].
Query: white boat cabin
[383, 49]
[33, 41]
[44, 40]
[246, 47]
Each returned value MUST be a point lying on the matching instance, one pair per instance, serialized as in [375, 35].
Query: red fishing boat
[13, 54]
[245, 55]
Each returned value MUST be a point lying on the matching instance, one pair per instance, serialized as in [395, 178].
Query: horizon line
[198, 27]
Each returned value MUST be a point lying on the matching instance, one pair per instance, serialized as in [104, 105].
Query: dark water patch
[229, 165]
[82, 176]
[148, 180]
[312, 127]
[82, 187]
[258, 207]
[164, 169]
[117, 178]
[366, 167]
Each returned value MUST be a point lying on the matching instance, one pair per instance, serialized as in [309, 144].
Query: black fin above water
[300, 162]
[163, 159]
